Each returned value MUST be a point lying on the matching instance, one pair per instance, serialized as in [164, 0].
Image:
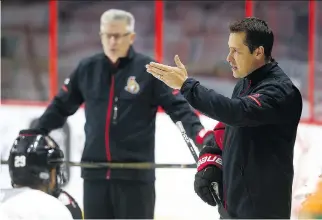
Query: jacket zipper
[107, 126]
[115, 108]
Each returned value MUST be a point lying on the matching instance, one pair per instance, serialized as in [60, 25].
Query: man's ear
[259, 52]
[133, 35]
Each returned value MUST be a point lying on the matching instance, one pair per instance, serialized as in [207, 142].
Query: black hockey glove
[209, 167]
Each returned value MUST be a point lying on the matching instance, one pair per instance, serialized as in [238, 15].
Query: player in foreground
[261, 120]
[35, 169]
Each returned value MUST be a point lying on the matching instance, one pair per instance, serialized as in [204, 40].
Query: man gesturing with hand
[261, 120]
[174, 77]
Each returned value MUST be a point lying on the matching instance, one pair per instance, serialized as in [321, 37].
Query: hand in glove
[209, 167]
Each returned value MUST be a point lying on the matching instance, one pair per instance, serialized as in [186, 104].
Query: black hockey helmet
[32, 157]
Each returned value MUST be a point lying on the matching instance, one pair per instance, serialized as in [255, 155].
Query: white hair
[118, 15]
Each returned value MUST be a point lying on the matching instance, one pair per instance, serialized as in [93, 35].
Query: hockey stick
[96, 165]
[214, 189]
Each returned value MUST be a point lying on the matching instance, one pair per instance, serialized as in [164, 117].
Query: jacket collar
[123, 60]
[130, 54]
[260, 73]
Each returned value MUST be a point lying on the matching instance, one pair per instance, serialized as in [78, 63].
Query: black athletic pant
[118, 199]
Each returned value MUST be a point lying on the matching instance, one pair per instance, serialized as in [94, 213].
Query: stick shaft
[95, 165]
[222, 211]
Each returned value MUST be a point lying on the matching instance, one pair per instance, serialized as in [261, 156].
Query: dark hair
[257, 34]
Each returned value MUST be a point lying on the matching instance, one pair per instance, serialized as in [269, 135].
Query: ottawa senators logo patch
[132, 85]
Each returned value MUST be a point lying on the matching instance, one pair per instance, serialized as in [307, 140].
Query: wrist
[187, 84]
[183, 81]
[210, 150]
[200, 136]
[207, 143]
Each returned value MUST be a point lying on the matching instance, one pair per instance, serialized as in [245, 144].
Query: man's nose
[113, 40]
[228, 59]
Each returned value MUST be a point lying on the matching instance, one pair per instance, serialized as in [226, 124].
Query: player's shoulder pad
[65, 198]
[68, 200]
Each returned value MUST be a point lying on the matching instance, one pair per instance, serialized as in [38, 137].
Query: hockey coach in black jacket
[121, 101]
[261, 120]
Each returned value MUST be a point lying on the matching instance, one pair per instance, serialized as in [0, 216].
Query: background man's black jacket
[261, 122]
[121, 103]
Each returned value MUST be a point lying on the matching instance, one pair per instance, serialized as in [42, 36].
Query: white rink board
[175, 197]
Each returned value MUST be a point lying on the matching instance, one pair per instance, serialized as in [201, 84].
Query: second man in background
[121, 101]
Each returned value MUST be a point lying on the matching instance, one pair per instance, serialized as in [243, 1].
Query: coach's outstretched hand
[174, 77]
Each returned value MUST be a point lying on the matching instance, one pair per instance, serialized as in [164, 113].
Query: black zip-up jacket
[121, 103]
[261, 120]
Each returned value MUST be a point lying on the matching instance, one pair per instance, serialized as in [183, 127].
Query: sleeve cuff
[187, 85]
